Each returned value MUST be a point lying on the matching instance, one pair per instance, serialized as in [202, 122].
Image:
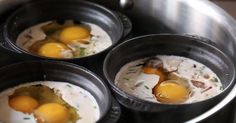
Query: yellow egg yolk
[171, 92]
[51, 113]
[23, 104]
[52, 49]
[74, 33]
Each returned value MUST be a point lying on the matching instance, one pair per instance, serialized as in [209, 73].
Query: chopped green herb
[146, 86]
[131, 69]
[68, 86]
[214, 79]
[95, 107]
[82, 51]
[221, 88]
[130, 72]
[138, 84]
[201, 70]
[26, 118]
[126, 79]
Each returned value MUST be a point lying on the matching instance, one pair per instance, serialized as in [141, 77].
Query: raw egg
[66, 39]
[25, 104]
[171, 91]
[52, 113]
[53, 50]
[46, 105]
[168, 79]
[75, 33]
[48, 102]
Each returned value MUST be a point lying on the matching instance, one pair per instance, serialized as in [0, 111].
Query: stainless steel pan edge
[212, 23]
[193, 17]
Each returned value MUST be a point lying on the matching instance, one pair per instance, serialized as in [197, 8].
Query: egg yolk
[74, 33]
[23, 104]
[51, 113]
[171, 92]
[52, 49]
[150, 70]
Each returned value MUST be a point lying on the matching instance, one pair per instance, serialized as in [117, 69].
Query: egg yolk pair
[46, 113]
[169, 91]
[69, 35]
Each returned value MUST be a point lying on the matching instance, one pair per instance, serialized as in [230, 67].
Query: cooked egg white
[80, 99]
[198, 82]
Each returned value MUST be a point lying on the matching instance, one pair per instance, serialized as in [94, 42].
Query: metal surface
[126, 4]
[193, 17]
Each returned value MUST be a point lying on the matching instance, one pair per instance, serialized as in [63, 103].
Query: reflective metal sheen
[200, 18]
[192, 17]
[126, 4]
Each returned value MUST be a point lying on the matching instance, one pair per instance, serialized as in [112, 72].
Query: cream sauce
[132, 80]
[77, 97]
